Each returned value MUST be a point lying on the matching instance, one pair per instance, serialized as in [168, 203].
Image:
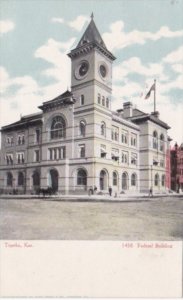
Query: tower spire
[92, 16]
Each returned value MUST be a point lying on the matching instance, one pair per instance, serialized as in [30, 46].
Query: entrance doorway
[53, 179]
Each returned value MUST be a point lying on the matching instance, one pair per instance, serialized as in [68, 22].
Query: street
[46, 219]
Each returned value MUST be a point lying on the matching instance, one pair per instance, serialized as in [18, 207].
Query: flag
[151, 89]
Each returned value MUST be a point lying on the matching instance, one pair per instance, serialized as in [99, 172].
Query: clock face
[82, 70]
[103, 71]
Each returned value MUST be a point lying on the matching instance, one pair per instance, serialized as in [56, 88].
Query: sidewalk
[95, 198]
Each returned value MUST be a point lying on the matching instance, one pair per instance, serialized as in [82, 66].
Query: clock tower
[91, 70]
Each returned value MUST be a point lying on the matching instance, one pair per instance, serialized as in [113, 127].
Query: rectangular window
[21, 139]
[133, 140]
[82, 100]
[9, 140]
[115, 133]
[99, 98]
[20, 158]
[162, 146]
[56, 153]
[124, 157]
[107, 102]
[61, 152]
[162, 163]
[124, 137]
[37, 156]
[50, 154]
[103, 100]
[37, 139]
[82, 150]
[9, 159]
[134, 158]
[115, 154]
[103, 151]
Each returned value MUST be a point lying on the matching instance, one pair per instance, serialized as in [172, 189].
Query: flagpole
[154, 95]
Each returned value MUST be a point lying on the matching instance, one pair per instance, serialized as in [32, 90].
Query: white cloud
[134, 65]
[170, 113]
[178, 68]
[175, 56]
[57, 20]
[78, 23]
[54, 52]
[176, 83]
[6, 26]
[27, 95]
[24, 99]
[175, 60]
[117, 38]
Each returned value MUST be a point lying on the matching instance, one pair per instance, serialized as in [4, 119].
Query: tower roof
[91, 34]
[89, 40]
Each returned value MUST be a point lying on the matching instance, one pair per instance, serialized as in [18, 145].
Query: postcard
[91, 155]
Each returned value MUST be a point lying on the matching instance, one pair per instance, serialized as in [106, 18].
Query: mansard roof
[89, 40]
[24, 121]
[62, 100]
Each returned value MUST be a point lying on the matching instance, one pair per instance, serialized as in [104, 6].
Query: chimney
[155, 114]
[127, 109]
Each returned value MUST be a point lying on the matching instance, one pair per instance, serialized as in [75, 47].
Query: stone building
[77, 141]
[176, 154]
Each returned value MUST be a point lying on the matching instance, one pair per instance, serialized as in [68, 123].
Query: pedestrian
[90, 191]
[150, 192]
[95, 189]
[110, 191]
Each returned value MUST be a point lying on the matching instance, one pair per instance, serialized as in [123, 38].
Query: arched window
[155, 140]
[82, 128]
[81, 177]
[156, 180]
[103, 100]
[103, 180]
[115, 178]
[107, 102]
[99, 98]
[133, 179]
[9, 179]
[162, 142]
[103, 129]
[163, 180]
[125, 181]
[20, 179]
[58, 128]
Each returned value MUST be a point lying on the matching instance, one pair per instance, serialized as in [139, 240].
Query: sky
[146, 38]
